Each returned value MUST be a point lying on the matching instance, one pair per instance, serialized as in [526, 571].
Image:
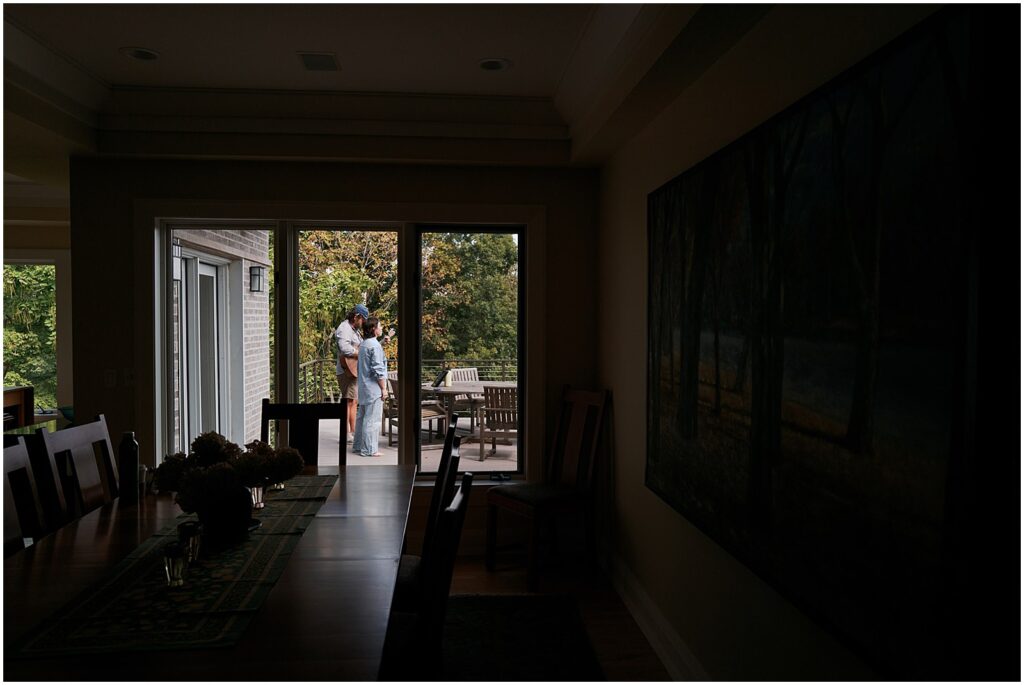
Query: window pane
[470, 342]
[220, 333]
[30, 330]
[339, 269]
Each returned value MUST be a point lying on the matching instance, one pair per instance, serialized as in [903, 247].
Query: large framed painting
[807, 289]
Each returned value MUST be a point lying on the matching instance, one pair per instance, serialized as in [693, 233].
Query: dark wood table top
[325, 618]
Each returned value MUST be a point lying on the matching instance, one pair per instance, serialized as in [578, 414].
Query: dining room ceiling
[229, 81]
[432, 49]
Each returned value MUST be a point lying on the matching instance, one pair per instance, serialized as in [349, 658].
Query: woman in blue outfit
[373, 374]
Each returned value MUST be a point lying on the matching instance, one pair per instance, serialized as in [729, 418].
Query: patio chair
[389, 410]
[84, 461]
[570, 470]
[430, 411]
[23, 514]
[499, 417]
[304, 426]
[468, 403]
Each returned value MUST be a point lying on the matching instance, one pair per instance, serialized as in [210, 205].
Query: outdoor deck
[503, 460]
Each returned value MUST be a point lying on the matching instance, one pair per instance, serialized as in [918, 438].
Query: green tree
[470, 295]
[338, 270]
[469, 291]
[30, 329]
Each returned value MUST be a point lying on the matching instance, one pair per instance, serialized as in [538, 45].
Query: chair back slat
[466, 374]
[85, 463]
[23, 516]
[304, 426]
[501, 406]
[49, 484]
[444, 489]
[577, 436]
[438, 569]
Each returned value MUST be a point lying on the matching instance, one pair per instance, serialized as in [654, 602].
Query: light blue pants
[367, 432]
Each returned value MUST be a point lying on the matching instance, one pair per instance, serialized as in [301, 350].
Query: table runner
[133, 609]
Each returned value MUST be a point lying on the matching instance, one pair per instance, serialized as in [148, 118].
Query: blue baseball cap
[362, 311]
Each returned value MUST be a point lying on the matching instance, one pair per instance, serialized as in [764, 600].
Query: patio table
[447, 394]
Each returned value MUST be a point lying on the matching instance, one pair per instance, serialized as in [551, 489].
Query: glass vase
[257, 497]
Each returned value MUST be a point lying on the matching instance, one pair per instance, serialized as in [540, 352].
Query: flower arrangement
[216, 468]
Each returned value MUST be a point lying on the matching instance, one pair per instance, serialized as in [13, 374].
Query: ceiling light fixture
[141, 54]
[495, 64]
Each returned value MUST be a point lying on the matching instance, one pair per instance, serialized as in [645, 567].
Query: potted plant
[222, 484]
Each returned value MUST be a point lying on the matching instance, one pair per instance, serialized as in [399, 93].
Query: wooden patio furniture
[498, 417]
[468, 403]
[430, 411]
[570, 468]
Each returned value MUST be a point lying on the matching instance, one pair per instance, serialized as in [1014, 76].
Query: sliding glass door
[471, 328]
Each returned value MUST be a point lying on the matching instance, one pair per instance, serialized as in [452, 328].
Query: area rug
[517, 638]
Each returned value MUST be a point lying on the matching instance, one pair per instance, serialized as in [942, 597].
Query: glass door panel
[340, 268]
[470, 295]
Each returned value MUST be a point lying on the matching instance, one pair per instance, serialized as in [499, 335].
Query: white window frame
[195, 264]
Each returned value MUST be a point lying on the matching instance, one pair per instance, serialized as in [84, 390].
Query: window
[462, 287]
[470, 338]
[201, 338]
[340, 266]
[30, 330]
[219, 334]
[37, 325]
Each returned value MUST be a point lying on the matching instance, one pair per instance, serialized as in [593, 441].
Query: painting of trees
[801, 353]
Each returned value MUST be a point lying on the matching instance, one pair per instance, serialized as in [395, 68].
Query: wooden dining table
[325, 618]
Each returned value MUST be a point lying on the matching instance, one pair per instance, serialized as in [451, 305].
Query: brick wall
[255, 336]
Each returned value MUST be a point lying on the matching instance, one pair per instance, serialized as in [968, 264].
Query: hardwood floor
[621, 648]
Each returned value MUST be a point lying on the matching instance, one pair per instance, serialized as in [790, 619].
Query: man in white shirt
[348, 336]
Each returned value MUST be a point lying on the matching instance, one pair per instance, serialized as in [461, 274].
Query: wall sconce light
[256, 278]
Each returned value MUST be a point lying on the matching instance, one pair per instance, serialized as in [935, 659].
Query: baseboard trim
[675, 655]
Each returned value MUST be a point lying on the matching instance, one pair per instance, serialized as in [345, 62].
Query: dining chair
[430, 411]
[566, 489]
[499, 417]
[23, 515]
[414, 640]
[304, 426]
[407, 588]
[84, 461]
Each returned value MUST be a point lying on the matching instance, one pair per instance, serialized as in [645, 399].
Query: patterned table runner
[133, 609]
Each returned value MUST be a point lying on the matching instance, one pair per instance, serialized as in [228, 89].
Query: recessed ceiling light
[495, 64]
[142, 54]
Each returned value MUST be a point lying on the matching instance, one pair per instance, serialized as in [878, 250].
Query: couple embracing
[362, 372]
